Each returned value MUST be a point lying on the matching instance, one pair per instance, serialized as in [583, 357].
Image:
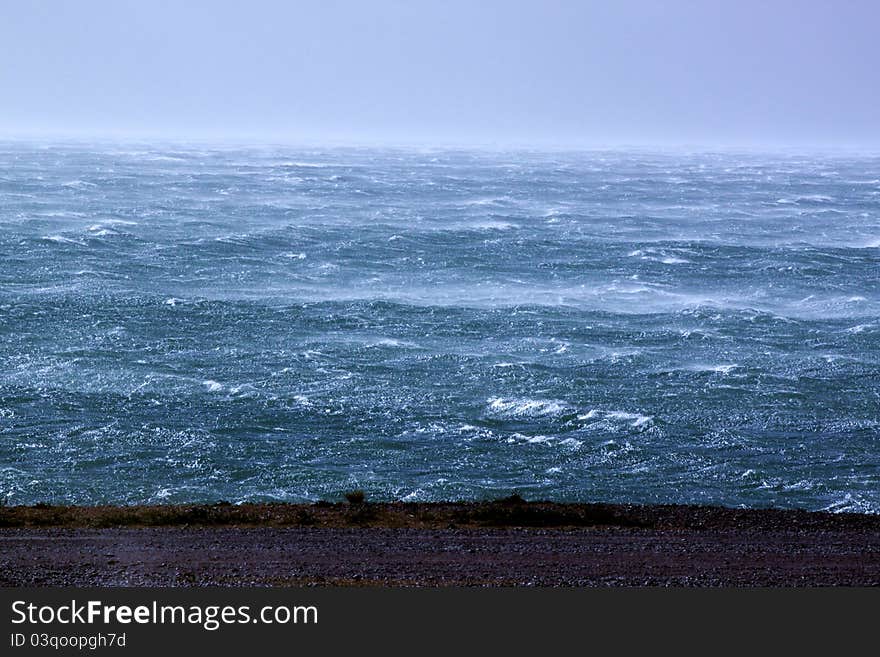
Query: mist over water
[196, 324]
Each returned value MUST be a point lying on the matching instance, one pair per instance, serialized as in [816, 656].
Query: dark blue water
[194, 324]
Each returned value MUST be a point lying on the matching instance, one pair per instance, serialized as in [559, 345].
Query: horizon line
[243, 140]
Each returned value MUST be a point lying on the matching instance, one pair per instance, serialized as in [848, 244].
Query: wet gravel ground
[290, 556]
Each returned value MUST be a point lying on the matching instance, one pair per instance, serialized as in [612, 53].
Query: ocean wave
[61, 239]
[635, 420]
[658, 256]
[852, 503]
[482, 225]
[489, 201]
[292, 164]
[525, 407]
[447, 327]
[78, 184]
[805, 198]
[724, 368]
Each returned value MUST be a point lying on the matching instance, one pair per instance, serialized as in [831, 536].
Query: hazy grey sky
[735, 72]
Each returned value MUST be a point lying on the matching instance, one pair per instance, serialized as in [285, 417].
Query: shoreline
[502, 543]
[511, 512]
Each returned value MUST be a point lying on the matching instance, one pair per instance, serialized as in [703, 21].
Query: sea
[202, 323]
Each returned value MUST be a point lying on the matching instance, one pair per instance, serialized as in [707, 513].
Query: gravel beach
[471, 544]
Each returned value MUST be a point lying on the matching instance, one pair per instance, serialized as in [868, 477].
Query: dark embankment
[508, 512]
[506, 542]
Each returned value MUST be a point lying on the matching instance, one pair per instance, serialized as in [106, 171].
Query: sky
[543, 72]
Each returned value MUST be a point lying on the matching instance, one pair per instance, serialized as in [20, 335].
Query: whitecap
[497, 200]
[111, 222]
[859, 328]
[633, 419]
[532, 439]
[806, 198]
[164, 158]
[850, 503]
[392, 342]
[655, 256]
[725, 368]
[305, 165]
[60, 239]
[212, 385]
[489, 225]
[525, 407]
[638, 420]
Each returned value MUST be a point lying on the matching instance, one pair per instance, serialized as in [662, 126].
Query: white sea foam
[304, 165]
[488, 225]
[633, 419]
[164, 158]
[61, 213]
[392, 342]
[637, 419]
[495, 200]
[529, 439]
[61, 239]
[656, 255]
[805, 198]
[212, 386]
[516, 408]
[724, 368]
[850, 503]
[104, 228]
[860, 328]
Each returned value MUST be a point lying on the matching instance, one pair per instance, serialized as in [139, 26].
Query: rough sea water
[198, 324]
